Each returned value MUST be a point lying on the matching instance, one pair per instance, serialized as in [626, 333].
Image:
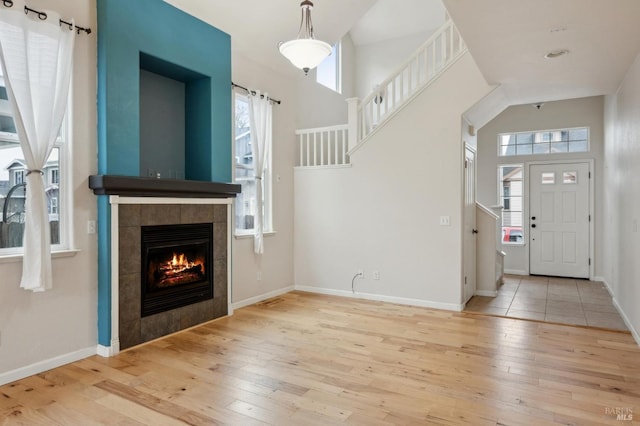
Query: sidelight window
[510, 182]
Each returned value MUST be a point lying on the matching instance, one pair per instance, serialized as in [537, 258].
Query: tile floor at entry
[560, 300]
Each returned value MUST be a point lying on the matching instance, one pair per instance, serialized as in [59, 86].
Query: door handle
[475, 231]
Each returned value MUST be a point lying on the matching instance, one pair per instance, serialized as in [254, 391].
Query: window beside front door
[511, 184]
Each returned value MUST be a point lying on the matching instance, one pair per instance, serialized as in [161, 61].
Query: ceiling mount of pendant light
[305, 52]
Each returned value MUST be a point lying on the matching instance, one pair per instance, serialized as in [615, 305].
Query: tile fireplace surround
[128, 214]
[135, 329]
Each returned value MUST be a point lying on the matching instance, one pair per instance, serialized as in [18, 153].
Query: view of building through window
[544, 142]
[510, 180]
[246, 205]
[13, 183]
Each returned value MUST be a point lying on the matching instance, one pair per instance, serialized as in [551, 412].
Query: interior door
[559, 219]
[469, 239]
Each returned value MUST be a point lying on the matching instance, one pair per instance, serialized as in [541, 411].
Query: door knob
[533, 225]
[533, 218]
[475, 231]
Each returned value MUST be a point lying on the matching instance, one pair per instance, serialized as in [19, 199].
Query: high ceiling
[508, 39]
[256, 27]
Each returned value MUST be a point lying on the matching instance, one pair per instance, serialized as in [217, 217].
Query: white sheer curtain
[36, 59]
[260, 121]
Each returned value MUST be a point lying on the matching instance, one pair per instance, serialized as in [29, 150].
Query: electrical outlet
[91, 227]
[445, 220]
[376, 275]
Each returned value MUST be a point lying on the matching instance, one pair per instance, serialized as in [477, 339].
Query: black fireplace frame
[166, 236]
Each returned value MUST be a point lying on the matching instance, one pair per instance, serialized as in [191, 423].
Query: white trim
[515, 272]
[261, 297]
[322, 129]
[230, 224]
[457, 307]
[109, 351]
[332, 166]
[486, 293]
[115, 275]
[252, 234]
[54, 255]
[634, 332]
[47, 364]
[601, 279]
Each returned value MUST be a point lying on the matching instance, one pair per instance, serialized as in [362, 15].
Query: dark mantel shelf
[133, 186]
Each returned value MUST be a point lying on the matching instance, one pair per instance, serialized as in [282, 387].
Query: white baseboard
[109, 351]
[261, 297]
[487, 293]
[47, 364]
[381, 298]
[600, 279]
[515, 272]
[634, 332]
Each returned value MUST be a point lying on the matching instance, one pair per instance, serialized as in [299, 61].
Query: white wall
[35, 327]
[621, 200]
[276, 264]
[584, 112]
[383, 213]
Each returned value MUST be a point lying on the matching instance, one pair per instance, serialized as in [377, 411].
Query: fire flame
[179, 263]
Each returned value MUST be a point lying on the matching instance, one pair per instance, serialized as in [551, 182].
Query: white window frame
[267, 181]
[501, 202]
[336, 50]
[65, 196]
[539, 137]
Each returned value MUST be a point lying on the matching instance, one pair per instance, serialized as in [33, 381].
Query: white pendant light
[305, 52]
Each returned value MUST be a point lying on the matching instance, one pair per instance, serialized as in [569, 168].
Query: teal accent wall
[176, 43]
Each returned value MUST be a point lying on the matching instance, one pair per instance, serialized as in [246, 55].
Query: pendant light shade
[305, 52]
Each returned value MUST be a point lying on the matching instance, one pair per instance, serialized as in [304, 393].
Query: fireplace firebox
[177, 266]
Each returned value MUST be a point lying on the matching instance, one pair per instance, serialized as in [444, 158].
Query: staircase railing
[331, 146]
[323, 146]
[426, 63]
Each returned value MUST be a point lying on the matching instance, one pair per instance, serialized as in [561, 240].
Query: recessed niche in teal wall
[154, 36]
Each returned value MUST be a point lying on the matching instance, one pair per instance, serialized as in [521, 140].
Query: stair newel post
[352, 121]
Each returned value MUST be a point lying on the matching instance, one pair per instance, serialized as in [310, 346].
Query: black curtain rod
[43, 16]
[275, 101]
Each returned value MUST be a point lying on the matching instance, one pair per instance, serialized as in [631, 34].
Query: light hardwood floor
[304, 359]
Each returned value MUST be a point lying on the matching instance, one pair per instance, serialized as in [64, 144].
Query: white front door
[469, 240]
[559, 219]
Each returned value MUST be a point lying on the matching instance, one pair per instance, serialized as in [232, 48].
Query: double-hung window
[246, 206]
[13, 185]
